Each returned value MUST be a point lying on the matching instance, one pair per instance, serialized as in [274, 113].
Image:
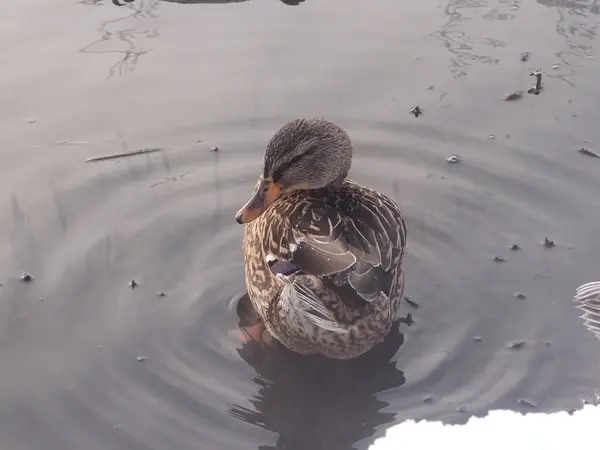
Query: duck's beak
[266, 192]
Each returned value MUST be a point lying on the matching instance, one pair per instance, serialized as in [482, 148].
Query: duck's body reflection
[314, 402]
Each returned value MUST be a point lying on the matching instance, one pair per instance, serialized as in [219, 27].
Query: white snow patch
[499, 430]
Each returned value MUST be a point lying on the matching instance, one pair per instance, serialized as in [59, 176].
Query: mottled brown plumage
[323, 254]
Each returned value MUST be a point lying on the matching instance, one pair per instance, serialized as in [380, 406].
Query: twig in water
[538, 82]
[140, 151]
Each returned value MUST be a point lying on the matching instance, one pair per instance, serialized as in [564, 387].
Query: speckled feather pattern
[348, 241]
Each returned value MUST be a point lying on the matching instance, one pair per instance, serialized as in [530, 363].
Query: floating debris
[513, 96]
[428, 399]
[477, 338]
[416, 111]
[518, 345]
[32, 120]
[574, 114]
[587, 151]
[430, 87]
[453, 159]
[411, 301]
[492, 136]
[507, 135]
[26, 277]
[526, 402]
[41, 299]
[214, 149]
[140, 359]
[548, 243]
[161, 294]
[515, 247]
[462, 409]
[590, 57]
[133, 284]
[520, 296]
[71, 142]
[140, 151]
[499, 258]
[547, 343]
[408, 320]
[556, 66]
[525, 56]
[535, 90]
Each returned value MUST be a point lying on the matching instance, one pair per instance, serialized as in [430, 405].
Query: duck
[323, 255]
[587, 298]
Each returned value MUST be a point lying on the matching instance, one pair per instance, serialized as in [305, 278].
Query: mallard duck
[323, 254]
[587, 297]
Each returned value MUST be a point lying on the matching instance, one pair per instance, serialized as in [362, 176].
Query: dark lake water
[86, 78]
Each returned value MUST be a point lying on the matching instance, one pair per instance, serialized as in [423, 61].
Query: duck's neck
[335, 184]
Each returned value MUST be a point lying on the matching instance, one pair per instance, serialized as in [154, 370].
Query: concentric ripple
[96, 363]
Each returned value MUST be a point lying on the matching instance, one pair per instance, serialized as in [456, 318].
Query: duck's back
[350, 241]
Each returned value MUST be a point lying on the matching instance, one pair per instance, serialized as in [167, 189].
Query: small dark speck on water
[462, 409]
[520, 296]
[26, 277]
[408, 320]
[547, 344]
[517, 345]
[525, 56]
[161, 294]
[133, 284]
[515, 247]
[116, 428]
[416, 111]
[428, 399]
[499, 258]
[524, 401]
[41, 299]
[214, 149]
[548, 243]
[477, 338]
[430, 87]
[411, 301]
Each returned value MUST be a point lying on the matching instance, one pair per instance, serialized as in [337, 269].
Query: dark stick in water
[140, 151]
[538, 82]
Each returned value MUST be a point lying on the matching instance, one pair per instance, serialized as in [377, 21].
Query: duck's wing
[587, 297]
[354, 242]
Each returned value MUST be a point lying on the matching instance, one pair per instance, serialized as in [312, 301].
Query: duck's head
[303, 154]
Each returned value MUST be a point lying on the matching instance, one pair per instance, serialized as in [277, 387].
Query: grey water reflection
[578, 27]
[125, 36]
[465, 48]
[316, 403]
[287, 2]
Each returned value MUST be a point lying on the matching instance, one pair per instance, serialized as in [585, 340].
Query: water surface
[86, 78]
